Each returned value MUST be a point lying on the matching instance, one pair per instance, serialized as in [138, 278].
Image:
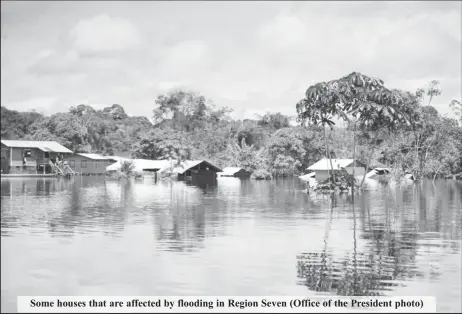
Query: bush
[127, 167]
[261, 174]
[343, 183]
[117, 175]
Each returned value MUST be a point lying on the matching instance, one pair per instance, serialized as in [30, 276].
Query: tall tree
[355, 98]
[159, 144]
[456, 106]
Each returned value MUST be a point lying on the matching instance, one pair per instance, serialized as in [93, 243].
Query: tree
[319, 108]
[285, 152]
[355, 98]
[291, 150]
[159, 144]
[116, 111]
[63, 128]
[274, 121]
[456, 106]
[185, 110]
[16, 124]
[245, 156]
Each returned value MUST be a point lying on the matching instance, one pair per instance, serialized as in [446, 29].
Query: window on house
[72, 164]
[47, 154]
[27, 153]
[84, 164]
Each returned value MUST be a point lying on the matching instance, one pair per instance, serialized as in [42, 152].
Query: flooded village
[308, 150]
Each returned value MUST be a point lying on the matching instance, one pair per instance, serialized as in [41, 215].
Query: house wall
[13, 160]
[204, 177]
[321, 175]
[359, 171]
[84, 165]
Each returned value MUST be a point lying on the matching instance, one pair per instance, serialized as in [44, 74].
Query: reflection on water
[89, 236]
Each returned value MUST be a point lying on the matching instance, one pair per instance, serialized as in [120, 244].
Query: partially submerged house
[323, 167]
[187, 170]
[143, 166]
[89, 164]
[234, 172]
[196, 171]
[32, 157]
[308, 176]
[377, 173]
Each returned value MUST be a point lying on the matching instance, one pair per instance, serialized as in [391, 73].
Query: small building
[235, 172]
[31, 157]
[323, 167]
[196, 171]
[88, 164]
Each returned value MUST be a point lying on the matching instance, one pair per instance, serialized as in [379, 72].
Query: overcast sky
[253, 57]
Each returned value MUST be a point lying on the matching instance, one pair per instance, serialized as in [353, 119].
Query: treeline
[186, 125]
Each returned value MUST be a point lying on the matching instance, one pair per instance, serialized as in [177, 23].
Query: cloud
[431, 52]
[248, 56]
[103, 33]
[39, 104]
[185, 59]
[284, 33]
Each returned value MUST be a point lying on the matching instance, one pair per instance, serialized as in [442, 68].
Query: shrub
[127, 167]
[117, 175]
[261, 174]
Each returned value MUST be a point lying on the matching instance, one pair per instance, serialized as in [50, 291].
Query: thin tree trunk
[436, 173]
[364, 176]
[332, 167]
[417, 153]
[327, 151]
[354, 159]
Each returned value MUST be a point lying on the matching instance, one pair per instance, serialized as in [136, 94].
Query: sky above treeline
[253, 57]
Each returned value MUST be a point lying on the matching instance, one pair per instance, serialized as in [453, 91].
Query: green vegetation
[383, 128]
[127, 170]
[261, 174]
[407, 132]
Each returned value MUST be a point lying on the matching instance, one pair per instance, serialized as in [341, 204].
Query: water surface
[88, 236]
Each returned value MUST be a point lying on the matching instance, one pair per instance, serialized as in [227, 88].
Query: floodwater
[88, 236]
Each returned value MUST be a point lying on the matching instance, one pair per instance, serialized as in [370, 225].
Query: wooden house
[234, 172]
[195, 171]
[89, 164]
[31, 157]
[322, 168]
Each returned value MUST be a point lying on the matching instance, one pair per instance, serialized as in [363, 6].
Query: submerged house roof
[230, 171]
[377, 172]
[159, 165]
[307, 176]
[96, 156]
[337, 164]
[139, 164]
[46, 146]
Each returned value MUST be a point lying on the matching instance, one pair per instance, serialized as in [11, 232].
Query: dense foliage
[384, 127]
[407, 131]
